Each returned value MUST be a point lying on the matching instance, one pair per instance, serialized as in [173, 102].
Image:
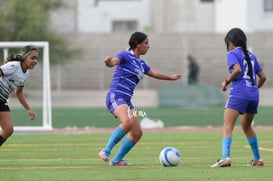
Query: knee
[7, 132]
[127, 125]
[137, 135]
[11, 130]
[246, 129]
[245, 126]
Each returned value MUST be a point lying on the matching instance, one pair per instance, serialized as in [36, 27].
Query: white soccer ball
[169, 157]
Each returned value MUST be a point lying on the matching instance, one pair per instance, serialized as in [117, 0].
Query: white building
[164, 16]
[112, 16]
[250, 15]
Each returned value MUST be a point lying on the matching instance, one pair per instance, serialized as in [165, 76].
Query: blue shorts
[112, 102]
[242, 106]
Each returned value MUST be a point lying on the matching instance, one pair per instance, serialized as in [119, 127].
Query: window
[123, 26]
[96, 2]
[207, 1]
[268, 5]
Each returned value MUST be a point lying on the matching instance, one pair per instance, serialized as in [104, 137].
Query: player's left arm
[20, 96]
[163, 76]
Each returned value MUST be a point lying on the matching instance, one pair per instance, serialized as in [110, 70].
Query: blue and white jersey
[127, 74]
[13, 77]
[242, 86]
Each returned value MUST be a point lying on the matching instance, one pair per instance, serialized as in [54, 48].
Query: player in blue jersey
[243, 98]
[13, 75]
[130, 69]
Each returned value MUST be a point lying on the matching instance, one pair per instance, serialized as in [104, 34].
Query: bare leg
[6, 125]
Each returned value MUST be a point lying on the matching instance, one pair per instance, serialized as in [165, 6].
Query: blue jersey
[242, 86]
[127, 74]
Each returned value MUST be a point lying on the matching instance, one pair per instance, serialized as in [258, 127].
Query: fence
[167, 53]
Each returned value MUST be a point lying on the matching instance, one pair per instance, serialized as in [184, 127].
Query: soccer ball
[169, 157]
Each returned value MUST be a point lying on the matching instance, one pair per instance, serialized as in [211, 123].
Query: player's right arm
[111, 61]
[262, 79]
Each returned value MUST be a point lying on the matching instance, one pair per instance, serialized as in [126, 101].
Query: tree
[29, 20]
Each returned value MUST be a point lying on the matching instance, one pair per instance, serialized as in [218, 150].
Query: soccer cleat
[254, 163]
[222, 163]
[120, 163]
[104, 156]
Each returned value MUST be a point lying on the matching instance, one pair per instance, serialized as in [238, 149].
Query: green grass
[73, 157]
[171, 116]
[59, 157]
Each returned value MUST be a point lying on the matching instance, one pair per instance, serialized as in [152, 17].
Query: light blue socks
[125, 147]
[226, 144]
[116, 136]
[253, 142]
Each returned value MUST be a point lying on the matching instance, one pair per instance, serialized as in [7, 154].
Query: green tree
[29, 20]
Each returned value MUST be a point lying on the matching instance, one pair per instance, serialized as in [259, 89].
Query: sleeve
[146, 67]
[8, 68]
[232, 59]
[121, 57]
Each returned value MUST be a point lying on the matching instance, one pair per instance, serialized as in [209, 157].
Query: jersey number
[247, 77]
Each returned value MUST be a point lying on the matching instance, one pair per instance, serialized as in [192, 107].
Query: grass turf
[59, 157]
[56, 157]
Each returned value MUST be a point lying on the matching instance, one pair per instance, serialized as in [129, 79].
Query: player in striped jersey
[13, 75]
[130, 69]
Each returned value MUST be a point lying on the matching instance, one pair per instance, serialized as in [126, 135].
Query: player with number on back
[13, 75]
[243, 97]
[130, 69]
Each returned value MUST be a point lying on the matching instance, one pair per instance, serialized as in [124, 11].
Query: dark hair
[238, 38]
[26, 51]
[136, 38]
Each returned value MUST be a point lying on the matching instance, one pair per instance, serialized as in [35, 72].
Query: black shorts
[4, 107]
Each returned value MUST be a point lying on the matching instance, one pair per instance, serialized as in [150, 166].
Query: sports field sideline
[185, 117]
[169, 129]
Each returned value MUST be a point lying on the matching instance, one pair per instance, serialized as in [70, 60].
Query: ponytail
[13, 57]
[249, 65]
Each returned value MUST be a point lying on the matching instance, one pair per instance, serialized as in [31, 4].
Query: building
[164, 16]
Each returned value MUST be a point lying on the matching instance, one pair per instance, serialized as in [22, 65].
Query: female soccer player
[129, 71]
[13, 75]
[243, 97]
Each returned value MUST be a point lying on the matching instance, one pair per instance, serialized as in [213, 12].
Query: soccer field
[73, 157]
[60, 156]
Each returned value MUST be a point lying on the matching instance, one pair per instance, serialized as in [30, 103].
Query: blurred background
[82, 32]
